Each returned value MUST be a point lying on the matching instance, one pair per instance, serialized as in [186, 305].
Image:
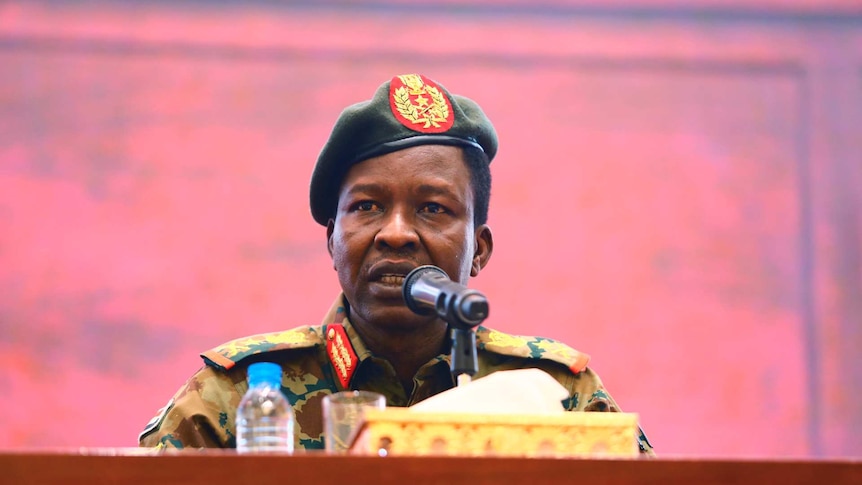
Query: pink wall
[678, 193]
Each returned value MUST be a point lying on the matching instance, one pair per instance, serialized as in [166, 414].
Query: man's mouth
[392, 279]
[390, 275]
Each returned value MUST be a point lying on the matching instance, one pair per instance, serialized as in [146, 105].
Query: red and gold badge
[341, 353]
[420, 104]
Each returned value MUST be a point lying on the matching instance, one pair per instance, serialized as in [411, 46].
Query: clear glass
[264, 421]
[343, 413]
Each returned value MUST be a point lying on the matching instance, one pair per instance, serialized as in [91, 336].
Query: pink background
[678, 193]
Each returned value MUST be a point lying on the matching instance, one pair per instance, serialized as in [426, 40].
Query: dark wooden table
[210, 467]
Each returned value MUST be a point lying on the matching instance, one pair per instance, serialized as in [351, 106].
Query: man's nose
[397, 231]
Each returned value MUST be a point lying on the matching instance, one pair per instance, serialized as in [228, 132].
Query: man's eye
[433, 208]
[366, 206]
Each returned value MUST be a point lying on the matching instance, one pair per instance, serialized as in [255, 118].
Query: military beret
[406, 111]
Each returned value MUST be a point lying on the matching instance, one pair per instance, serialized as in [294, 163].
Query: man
[403, 181]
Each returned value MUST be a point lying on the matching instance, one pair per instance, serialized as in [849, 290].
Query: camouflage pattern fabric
[201, 414]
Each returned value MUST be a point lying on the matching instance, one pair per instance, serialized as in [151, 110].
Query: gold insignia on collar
[341, 353]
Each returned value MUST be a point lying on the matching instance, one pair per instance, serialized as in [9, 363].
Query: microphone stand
[463, 315]
[464, 362]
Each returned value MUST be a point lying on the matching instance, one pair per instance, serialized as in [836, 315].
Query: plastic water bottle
[264, 419]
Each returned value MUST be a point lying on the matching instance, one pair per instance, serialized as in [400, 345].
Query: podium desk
[211, 467]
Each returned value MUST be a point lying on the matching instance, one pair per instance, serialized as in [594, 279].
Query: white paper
[522, 391]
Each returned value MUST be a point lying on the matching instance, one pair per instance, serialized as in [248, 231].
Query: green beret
[406, 111]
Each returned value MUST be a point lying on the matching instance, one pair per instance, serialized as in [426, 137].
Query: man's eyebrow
[363, 188]
[429, 189]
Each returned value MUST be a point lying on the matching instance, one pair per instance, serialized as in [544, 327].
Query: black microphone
[428, 290]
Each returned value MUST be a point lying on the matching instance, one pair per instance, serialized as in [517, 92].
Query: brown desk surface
[121, 466]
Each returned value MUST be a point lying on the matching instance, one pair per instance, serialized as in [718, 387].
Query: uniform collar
[344, 347]
[346, 350]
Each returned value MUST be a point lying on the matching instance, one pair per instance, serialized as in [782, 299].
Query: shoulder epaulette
[227, 355]
[531, 348]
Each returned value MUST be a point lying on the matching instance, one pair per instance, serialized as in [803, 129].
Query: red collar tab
[420, 104]
[341, 354]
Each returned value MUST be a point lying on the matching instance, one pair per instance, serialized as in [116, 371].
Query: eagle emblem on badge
[420, 104]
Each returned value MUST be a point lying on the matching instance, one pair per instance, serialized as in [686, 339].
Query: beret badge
[419, 104]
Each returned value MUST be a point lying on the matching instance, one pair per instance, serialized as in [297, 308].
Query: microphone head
[473, 309]
[411, 279]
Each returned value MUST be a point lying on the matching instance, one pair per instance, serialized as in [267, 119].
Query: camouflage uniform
[316, 363]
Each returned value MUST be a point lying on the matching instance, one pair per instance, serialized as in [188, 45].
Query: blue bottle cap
[264, 372]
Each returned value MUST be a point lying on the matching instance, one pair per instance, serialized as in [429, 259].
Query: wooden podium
[212, 467]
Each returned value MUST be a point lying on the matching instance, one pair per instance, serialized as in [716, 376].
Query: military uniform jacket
[327, 358]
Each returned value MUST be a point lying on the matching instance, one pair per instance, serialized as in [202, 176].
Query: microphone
[428, 290]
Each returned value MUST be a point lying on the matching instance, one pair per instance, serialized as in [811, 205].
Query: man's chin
[399, 318]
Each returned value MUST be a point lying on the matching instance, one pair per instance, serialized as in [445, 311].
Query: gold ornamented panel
[401, 432]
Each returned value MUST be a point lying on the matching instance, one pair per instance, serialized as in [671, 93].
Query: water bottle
[264, 419]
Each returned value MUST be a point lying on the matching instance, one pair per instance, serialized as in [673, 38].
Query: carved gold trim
[402, 432]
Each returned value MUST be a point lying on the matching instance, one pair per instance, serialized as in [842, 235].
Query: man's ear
[330, 228]
[484, 248]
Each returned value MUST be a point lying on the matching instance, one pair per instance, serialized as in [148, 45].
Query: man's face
[396, 212]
